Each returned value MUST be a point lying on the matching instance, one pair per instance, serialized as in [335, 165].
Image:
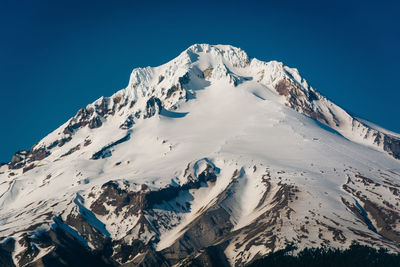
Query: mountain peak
[229, 54]
[178, 81]
[198, 57]
[171, 85]
[211, 149]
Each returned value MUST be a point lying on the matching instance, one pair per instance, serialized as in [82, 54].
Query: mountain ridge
[290, 85]
[208, 153]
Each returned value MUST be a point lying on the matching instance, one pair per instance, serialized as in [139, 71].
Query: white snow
[235, 127]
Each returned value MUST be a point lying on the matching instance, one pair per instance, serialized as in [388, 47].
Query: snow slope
[212, 149]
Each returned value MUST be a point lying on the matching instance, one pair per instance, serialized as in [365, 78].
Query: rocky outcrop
[301, 99]
[94, 115]
[207, 73]
[66, 250]
[23, 158]
[153, 107]
[106, 151]
[59, 142]
[114, 196]
[207, 230]
[392, 145]
[72, 150]
[128, 123]
[18, 159]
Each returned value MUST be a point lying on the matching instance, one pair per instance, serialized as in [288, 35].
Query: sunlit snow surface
[234, 119]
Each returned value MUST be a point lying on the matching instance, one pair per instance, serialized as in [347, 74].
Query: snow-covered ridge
[169, 85]
[209, 149]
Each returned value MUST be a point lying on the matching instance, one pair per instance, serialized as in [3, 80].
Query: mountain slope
[211, 155]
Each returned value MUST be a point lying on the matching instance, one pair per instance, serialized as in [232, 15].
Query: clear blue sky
[58, 56]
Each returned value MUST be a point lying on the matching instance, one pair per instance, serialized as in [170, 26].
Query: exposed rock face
[18, 159]
[283, 87]
[27, 168]
[72, 150]
[113, 196]
[59, 142]
[153, 107]
[23, 158]
[302, 100]
[106, 151]
[92, 115]
[391, 145]
[127, 123]
[207, 73]
[66, 250]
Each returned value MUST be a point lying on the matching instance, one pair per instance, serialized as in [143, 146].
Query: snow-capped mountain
[213, 156]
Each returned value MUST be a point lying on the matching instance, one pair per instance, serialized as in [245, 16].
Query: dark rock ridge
[392, 146]
[153, 107]
[94, 114]
[106, 151]
[127, 123]
[24, 157]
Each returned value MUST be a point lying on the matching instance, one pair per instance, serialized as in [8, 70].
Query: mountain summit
[214, 156]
